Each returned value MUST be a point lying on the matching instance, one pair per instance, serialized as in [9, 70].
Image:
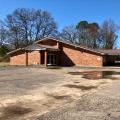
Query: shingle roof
[72, 44]
[110, 52]
[36, 46]
[19, 49]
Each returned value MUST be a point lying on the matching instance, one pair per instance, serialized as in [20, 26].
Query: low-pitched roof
[72, 44]
[19, 49]
[33, 47]
[111, 52]
[36, 46]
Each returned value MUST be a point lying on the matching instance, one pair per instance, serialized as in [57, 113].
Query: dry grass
[4, 64]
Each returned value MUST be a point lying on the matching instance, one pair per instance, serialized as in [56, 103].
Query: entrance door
[42, 57]
[51, 59]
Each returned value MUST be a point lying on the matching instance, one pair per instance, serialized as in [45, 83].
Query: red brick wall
[68, 56]
[79, 57]
[75, 56]
[21, 58]
[33, 57]
[18, 59]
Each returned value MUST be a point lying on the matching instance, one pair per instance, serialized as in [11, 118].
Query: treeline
[24, 26]
[92, 34]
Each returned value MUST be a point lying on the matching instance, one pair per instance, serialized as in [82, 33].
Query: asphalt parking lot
[20, 81]
[28, 93]
[20, 86]
[101, 105]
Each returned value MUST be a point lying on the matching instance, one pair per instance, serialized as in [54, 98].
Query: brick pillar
[26, 58]
[45, 58]
[40, 57]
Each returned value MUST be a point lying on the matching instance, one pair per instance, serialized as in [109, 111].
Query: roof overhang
[34, 47]
[38, 47]
[111, 52]
[17, 50]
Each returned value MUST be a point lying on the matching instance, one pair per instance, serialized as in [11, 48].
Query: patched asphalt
[101, 105]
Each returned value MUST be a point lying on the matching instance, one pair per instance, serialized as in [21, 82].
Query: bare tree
[27, 25]
[44, 24]
[108, 34]
[70, 34]
[2, 34]
[92, 35]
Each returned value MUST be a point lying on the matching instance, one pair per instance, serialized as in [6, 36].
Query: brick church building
[51, 51]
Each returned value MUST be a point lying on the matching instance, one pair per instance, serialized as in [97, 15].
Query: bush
[4, 59]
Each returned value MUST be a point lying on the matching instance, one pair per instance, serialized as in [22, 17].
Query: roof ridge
[73, 44]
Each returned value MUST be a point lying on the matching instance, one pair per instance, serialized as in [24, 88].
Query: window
[51, 59]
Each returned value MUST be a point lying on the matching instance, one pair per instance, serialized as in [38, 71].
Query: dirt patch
[81, 87]
[13, 111]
